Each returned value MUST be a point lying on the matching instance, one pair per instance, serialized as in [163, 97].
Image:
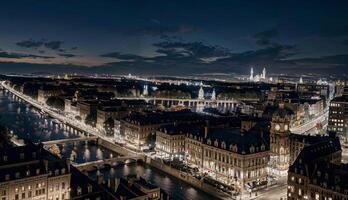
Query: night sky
[173, 37]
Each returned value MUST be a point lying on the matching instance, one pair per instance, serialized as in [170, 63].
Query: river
[27, 123]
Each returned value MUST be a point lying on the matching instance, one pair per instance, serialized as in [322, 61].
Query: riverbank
[199, 184]
[197, 193]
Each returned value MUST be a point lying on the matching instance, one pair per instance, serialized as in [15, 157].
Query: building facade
[30, 172]
[338, 115]
[317, 173]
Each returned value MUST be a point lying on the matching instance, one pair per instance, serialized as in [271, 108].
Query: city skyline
[166, 38]
[173, 100]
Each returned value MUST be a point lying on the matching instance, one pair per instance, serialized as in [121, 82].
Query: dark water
[26, 122]
[174, 187]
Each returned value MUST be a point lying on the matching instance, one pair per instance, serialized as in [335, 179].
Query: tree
[56, 102]
[91, 119]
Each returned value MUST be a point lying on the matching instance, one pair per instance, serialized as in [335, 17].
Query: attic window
[263, 147]
[223, 145]
[216, 143]
[252, 149]
[89, 188]
[79, 190]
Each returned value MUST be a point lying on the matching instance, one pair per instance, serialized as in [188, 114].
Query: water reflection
[176, 188]
[26, 122]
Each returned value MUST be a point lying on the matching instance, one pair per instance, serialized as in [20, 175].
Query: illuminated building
[30, 172]
[279, 140]
[338, 115]
[318, 173]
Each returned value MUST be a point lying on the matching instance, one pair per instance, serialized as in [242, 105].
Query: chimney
[116, 184]
[100, 179]
[68, 164]
[46, 164]
[206, 130]
[111, 184]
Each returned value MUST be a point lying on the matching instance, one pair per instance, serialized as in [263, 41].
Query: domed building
[279, 140]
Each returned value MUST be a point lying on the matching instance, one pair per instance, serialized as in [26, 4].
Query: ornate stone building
[30, 172]
[234, 156]
[279, 141]
[318, 173]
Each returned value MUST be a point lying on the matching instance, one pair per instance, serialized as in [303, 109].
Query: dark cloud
[54, 45]
[159, 30]
[4, 54]
[193, 57]
[190, 49]
[73, 48]
[177, 51]
[263, 42]
[122, 56]
[67, 55]
[30, 43]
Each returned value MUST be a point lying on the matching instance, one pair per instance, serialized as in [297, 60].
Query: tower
[251, 74]
[301, 80]
[213, 95]
[264, 73]
[279, 141]
[145, 91]
[201, 92]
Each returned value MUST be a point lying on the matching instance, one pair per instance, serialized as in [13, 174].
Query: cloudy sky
[173, 37]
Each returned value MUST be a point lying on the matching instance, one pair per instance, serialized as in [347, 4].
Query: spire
[213, 95]
[201, 92]
[145, 91]
[264, 73]
[301, 80]
[251, 74]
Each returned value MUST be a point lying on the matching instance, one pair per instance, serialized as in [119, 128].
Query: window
[89, 188]
[21, 156]
[79, 191]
